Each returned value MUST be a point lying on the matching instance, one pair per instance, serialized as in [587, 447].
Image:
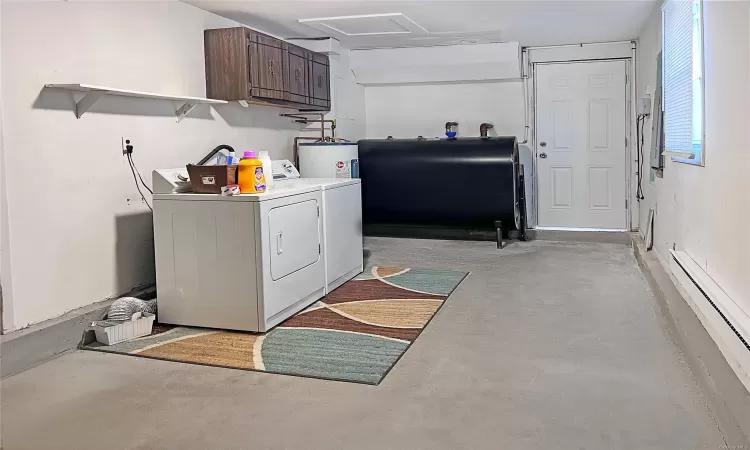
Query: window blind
[682, 77]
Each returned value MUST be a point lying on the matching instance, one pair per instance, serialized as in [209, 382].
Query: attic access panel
[366, 25]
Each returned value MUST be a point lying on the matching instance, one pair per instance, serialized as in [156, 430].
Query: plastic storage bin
[109, 333]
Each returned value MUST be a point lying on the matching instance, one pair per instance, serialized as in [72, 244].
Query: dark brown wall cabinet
[242, 64]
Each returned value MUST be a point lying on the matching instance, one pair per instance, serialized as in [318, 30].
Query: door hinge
[319, 249]
[626, 78]
[626, 204]
[318, 211]
[626, 142]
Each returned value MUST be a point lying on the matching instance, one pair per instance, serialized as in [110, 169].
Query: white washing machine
[341, 216]
[244, 262]
[249, 262]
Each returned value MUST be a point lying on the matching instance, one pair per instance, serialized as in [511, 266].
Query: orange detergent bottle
[251, 178]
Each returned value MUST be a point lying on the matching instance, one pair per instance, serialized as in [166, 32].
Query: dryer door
[295, 242]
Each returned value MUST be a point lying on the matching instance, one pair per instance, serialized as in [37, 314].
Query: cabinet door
[320, 83]
[295, 242]
[226, 54]
[266, 65]
[298, 75]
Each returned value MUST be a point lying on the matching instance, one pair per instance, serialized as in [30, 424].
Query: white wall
[423, 109]
[5, 287]
[347, 99]
[437, 64]
[406, 97]
[706, 210]
[649, 46]
[79, 231]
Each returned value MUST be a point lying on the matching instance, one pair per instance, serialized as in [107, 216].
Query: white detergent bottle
[266, 160]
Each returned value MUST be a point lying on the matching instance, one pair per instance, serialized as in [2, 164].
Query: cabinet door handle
[270, 66]
[279, 244]
[320, 81]
[298, 75]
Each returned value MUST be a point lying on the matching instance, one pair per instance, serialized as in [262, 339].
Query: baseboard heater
[683, 260]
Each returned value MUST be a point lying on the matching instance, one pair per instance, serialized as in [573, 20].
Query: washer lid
[278, 190]
[323, 183]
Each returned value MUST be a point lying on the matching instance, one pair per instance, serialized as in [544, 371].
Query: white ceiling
[530, 22]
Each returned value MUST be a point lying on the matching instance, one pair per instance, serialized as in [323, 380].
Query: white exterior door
[581, 147]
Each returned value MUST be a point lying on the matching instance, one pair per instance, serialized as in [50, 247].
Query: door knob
[542, 144]
[543, 155]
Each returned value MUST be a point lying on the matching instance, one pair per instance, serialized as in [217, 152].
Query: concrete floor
[544, 346]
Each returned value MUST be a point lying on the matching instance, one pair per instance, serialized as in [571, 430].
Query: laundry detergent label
[260, 180]
[343, 169]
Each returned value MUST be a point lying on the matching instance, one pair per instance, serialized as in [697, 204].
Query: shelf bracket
[87, 102]
[184, 110]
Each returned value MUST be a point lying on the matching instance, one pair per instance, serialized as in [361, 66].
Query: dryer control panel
[171, 181]
[283, 169]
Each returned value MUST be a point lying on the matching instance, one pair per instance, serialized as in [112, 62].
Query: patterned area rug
[356, 333]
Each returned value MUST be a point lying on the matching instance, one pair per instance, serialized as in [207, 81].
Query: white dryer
[341, 217]
[244, 262]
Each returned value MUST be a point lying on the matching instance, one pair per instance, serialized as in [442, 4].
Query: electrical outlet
[643, 105]
[127, 147]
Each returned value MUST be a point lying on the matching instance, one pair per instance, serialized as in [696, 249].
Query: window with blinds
[683, 79]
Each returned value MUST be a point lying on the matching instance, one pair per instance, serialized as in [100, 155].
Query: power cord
[132, 163]
[639, 124]
[134, 170]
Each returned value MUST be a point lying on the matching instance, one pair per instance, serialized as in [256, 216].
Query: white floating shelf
[93, 93]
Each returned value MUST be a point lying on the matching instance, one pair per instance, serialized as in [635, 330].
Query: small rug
[356, 333]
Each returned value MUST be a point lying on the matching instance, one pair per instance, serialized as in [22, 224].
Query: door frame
[629, 92]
